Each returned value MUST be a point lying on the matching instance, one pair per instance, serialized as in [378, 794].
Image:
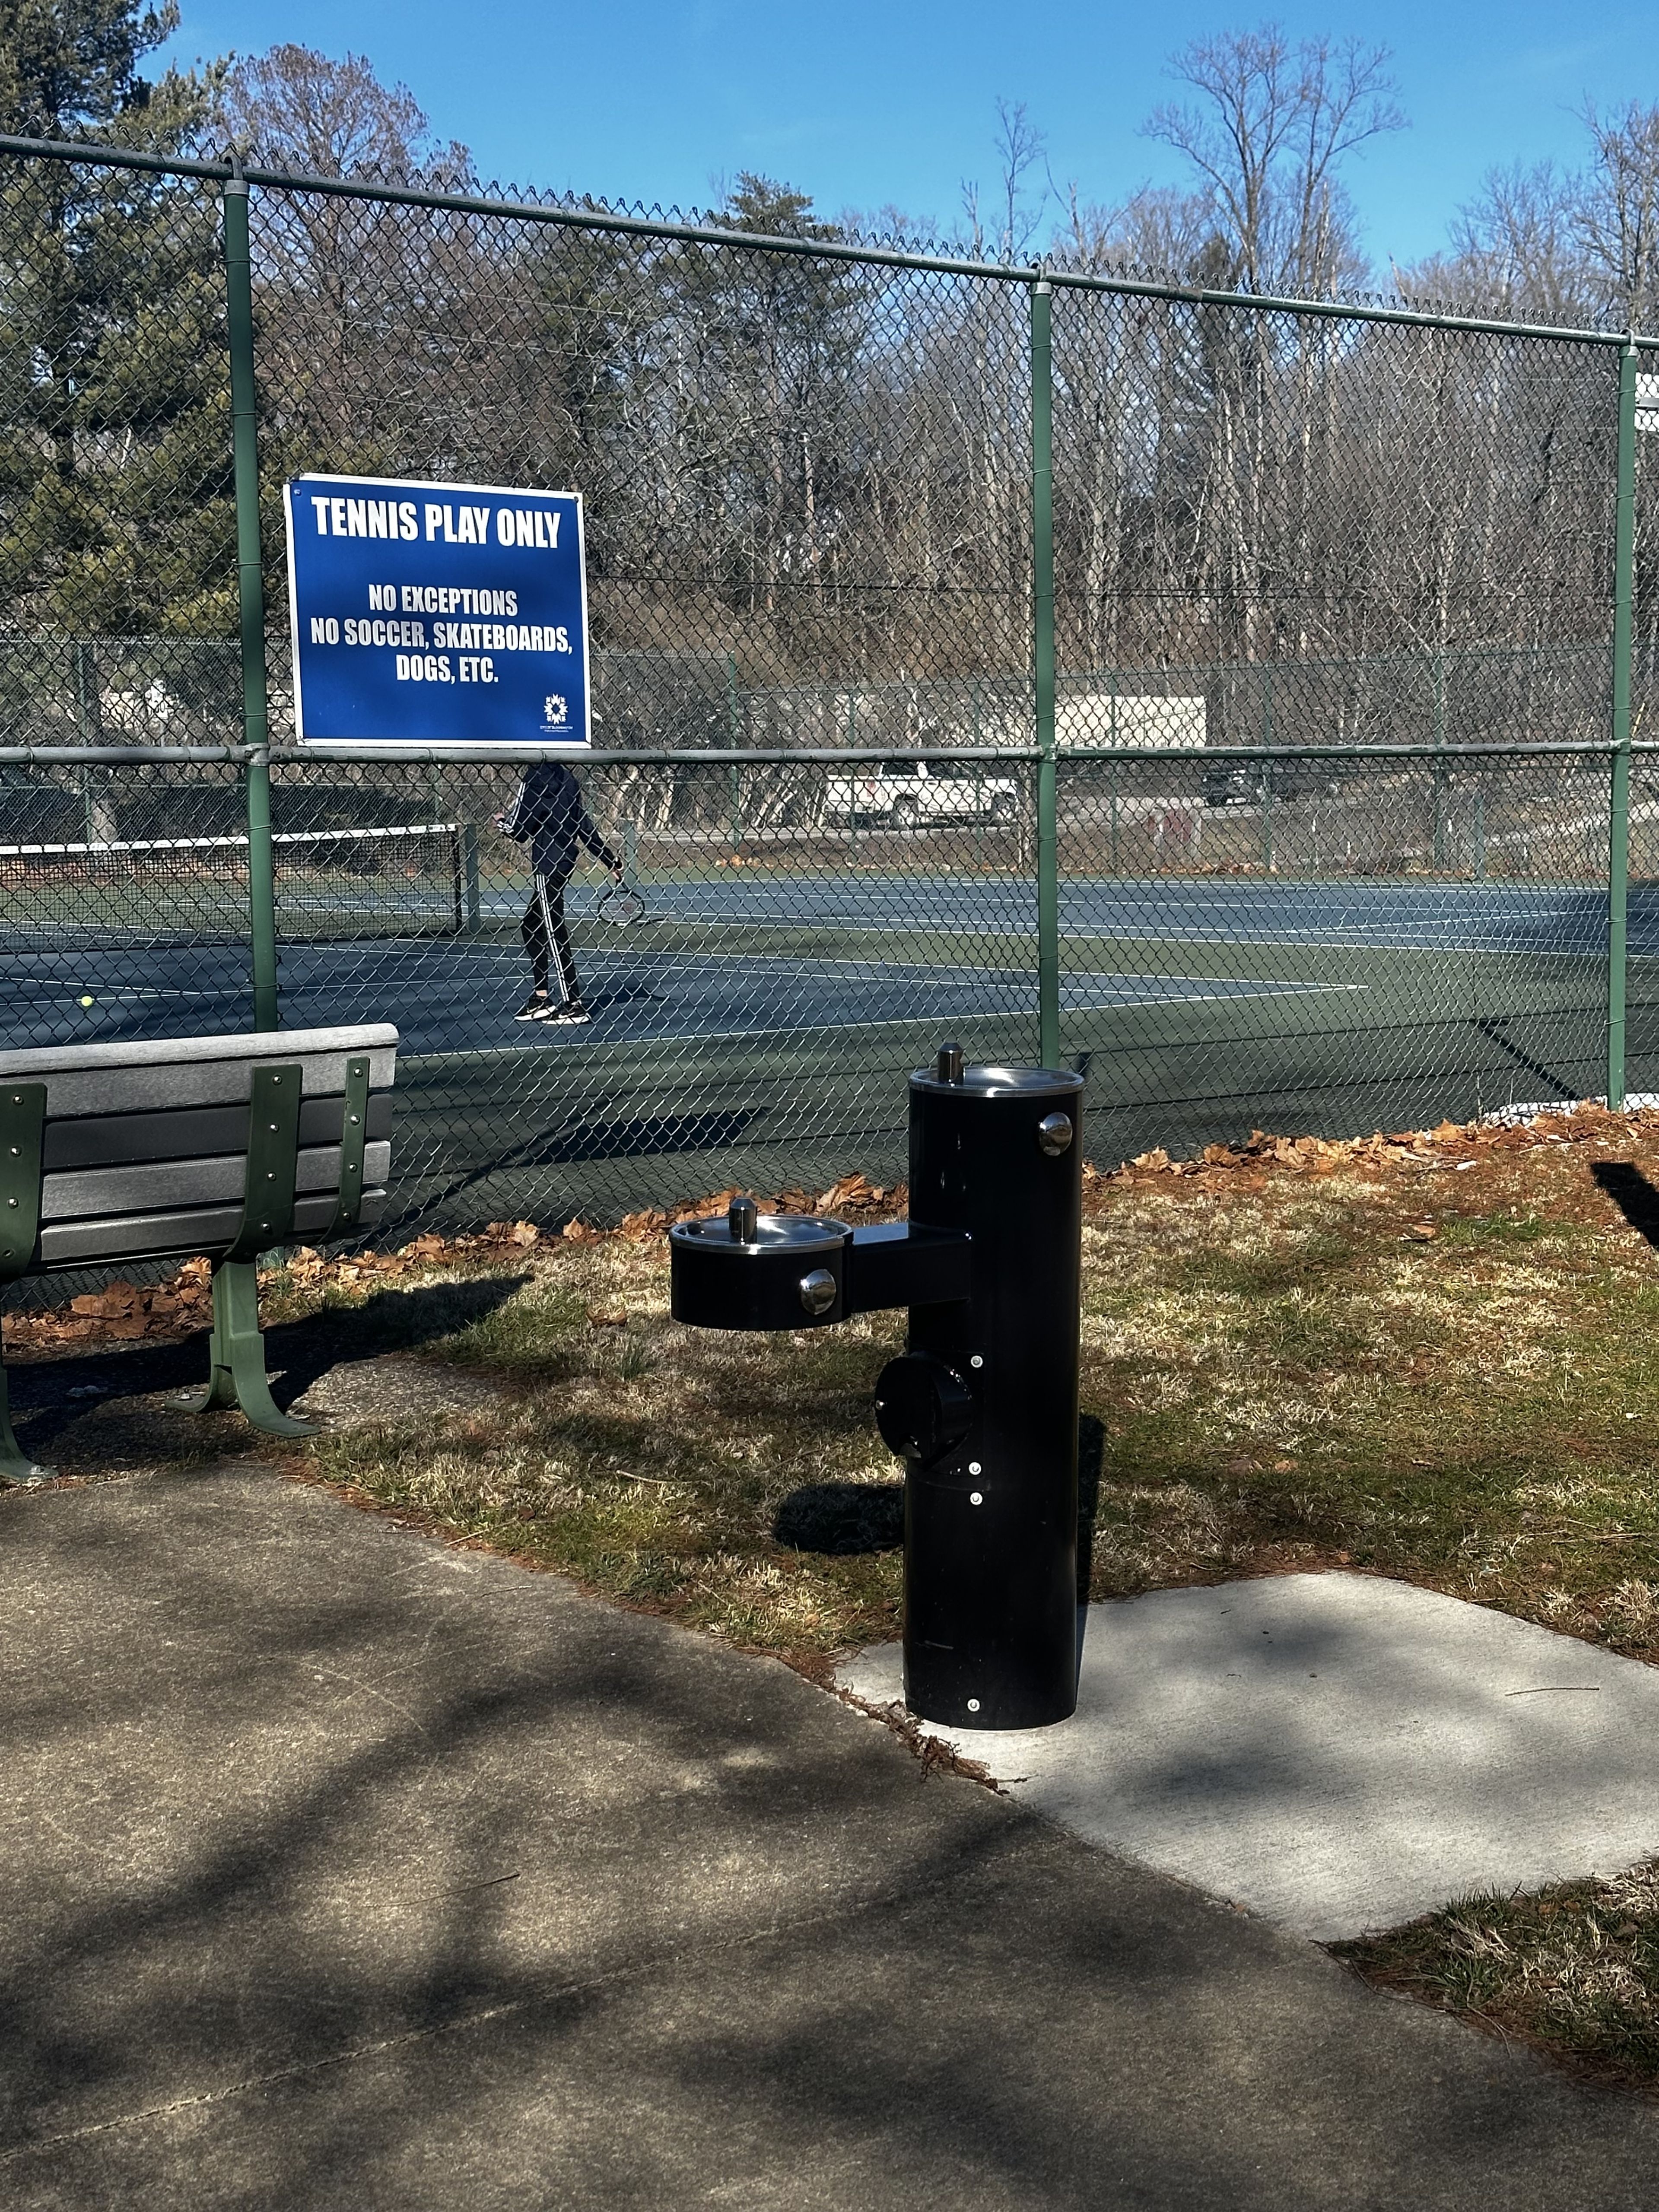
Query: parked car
[908, 792]
[1248, 782]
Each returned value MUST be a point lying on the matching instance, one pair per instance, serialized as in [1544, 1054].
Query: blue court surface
[458, 996]
[1438, 917]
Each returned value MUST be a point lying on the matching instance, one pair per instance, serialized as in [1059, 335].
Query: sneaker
[567, 1016]
[533, 1009]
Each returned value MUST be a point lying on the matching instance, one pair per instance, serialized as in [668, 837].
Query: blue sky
[864, 104]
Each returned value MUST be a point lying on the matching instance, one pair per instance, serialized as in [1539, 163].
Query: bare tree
[298, 109]
[1021, 149]
[1616, 211]
[1517, 251]
[1267, 135]
[1159, 231]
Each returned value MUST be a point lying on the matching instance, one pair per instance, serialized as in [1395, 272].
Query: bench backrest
[143, 1152]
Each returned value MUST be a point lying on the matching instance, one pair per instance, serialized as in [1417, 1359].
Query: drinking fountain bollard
[981, 1405]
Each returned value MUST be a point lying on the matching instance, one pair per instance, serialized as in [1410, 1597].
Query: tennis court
[760, 1027]
[448, 998]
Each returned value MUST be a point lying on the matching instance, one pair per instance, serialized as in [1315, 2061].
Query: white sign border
[528, 748]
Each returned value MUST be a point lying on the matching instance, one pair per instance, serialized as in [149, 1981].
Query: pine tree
[116, 514]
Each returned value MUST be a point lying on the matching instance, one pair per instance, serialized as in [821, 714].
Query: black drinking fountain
[981, 1405]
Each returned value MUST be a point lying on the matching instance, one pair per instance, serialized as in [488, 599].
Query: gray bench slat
[198, 1231]
[204, 1083]
[162, 1052]
[189, 1133]
[166, 1185]
[142, 1076]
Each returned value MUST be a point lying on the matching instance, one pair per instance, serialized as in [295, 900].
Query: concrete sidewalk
[346, 1869]
[1338, 1753]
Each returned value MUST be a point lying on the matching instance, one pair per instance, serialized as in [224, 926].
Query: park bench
[217, 1146]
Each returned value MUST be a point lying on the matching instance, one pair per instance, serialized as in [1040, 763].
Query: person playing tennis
[549, 815]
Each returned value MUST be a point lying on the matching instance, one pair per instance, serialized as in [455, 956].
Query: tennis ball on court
[86, 1002]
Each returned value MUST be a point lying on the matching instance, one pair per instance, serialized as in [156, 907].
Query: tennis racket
[621, 905]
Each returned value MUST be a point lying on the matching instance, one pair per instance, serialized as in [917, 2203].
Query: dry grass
[1573, 1972]
[1432, 1362]
[654, 1462]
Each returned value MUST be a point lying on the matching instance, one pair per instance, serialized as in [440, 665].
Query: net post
[251, 602]
[1624, 583]
[1042, 668]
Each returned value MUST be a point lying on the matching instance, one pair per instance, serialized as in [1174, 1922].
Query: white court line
[1261, 986]
[898, 1022]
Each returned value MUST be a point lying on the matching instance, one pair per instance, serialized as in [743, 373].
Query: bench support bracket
[23, 1124]
[237, 1357]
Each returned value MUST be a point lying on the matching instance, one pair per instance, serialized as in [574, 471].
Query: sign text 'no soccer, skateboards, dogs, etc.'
[437, 614]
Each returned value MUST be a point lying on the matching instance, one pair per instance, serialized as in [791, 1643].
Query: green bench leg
[15, 1465]
[237, 1375]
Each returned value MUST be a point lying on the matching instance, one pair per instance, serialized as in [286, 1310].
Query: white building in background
[1112, 718]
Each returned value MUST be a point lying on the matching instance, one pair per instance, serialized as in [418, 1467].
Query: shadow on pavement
[348, 1868]
[92, 1410]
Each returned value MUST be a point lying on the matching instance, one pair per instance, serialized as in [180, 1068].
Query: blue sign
[437, 614]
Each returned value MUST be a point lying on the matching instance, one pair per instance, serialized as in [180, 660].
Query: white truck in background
[905, 793]
[908, 792]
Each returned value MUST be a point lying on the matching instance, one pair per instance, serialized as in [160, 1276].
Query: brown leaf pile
[120, 1311]
[123, 1311]
[1317, 1156]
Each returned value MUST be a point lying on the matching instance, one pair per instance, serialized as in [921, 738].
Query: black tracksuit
[549, 815]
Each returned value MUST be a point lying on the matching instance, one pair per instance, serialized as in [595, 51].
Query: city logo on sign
[554, 712]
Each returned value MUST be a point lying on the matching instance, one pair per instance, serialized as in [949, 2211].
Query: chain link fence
[1305, 798]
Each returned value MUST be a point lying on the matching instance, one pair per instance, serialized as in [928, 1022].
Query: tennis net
[335, 885]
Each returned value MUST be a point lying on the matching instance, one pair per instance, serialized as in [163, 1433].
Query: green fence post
[734, 793]
[1439, 766]
[471, 882]
[1042, 662]
[1623, 593]
[251, 601]
[1269, 857]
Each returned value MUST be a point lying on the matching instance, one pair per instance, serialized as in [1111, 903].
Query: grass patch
[658, 1464]
[1429, 1360]
[1573, 1971]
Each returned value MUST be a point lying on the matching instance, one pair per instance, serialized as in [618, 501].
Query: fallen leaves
[123, 1311]
[1589, 1120]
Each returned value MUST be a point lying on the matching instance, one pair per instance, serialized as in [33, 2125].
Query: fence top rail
[119, 753]
[816, 755]
[1598, 748]
[708, 756]
[237, 176]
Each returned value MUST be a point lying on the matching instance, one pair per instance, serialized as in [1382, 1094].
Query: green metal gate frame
[234, 180]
